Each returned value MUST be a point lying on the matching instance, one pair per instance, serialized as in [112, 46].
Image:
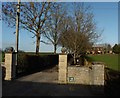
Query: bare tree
[81, 33]
[75, 42]
[84, 21]
[54, 24]
[32, 17]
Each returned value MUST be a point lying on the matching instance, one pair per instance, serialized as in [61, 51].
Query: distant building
[99, 49]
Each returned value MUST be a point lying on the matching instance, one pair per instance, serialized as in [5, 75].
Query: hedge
[28, 63]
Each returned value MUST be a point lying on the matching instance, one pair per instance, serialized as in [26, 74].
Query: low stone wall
[78, 75]
[86, 75]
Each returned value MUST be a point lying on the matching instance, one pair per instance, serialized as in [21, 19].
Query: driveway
[44, 83]
[41, 77]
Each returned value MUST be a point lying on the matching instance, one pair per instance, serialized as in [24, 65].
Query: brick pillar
[10, 59]
[62, 69]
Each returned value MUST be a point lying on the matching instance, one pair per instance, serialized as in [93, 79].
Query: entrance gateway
[80, 75]
[67, 74]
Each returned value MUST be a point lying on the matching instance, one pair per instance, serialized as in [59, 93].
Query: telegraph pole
[17, 29]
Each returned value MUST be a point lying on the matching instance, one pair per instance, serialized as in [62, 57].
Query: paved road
[43, 84]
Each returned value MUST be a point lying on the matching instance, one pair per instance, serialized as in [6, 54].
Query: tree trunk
[74, 58]
[37, 43]
[55, 48]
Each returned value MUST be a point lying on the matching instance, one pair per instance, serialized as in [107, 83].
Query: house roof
[98, 45]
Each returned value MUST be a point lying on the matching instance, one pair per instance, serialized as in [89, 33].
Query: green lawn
[2, 57]
[111, 60]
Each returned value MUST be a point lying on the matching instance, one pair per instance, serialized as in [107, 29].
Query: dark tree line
[116, 49]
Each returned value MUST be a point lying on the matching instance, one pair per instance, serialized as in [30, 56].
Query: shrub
[2, 56]
[3, 72]
[116, 48]
[31, 63]
[22, 63]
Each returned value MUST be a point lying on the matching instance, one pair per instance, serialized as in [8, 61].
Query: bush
[3, 72]
[41, 61]
[116, 49]
[3, 57]
[34, 62]
[31, 63]
[22, 62]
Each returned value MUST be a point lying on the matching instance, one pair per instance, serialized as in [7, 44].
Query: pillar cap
[10, 52]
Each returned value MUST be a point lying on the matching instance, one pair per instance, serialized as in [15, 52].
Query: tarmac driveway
[43, 83]
[41, 77]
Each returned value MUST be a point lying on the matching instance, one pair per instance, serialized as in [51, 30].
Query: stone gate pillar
[10, 59]
[98, 74]
[62, 78]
